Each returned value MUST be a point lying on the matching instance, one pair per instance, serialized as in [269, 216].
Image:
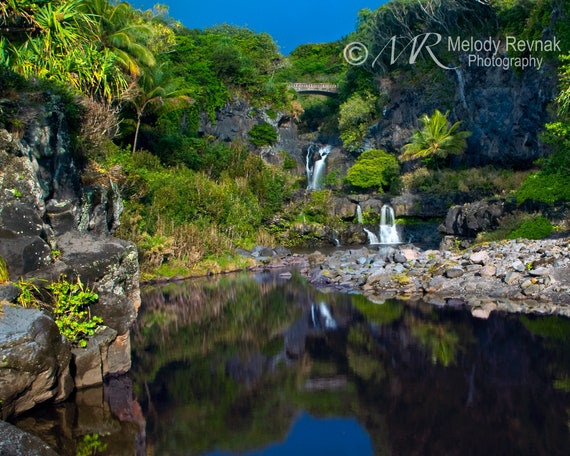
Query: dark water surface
[265, 365]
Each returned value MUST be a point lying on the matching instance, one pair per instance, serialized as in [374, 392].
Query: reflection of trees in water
[422, 381]
[494, 398]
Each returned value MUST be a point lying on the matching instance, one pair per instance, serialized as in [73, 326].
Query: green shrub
[91, 445]
[71, 309]
[373, 169]
[355, 115]
[263, 135]
[538, 228]
[545, 188]
[289, 162]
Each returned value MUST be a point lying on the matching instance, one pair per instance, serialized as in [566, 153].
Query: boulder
[35, 360]
[15, 442]
[24, 254]
[110, 266]
[469, 219]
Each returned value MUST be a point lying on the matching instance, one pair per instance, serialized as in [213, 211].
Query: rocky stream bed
[521, 276]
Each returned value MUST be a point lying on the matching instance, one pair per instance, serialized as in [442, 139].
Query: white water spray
[388, 232]
[372, 238]
[316, 169]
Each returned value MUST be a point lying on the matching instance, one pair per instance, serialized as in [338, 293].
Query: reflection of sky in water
[318, 436]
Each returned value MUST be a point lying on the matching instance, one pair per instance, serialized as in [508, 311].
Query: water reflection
[227, 366]
[266, 365]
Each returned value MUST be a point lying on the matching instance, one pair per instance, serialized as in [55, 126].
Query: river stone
[15, 442]
[518, 266]
[399, 268]
[399, 257]
[35, 360]
[484, 311]
[512, 277]
[435, 284]
[488, 271]
[539, 272]
[481, 257]
[454, 273]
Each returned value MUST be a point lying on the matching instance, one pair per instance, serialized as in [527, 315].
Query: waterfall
[388, 231]
[359, 214]
[315, 172]
[461, 87]
[372, 238]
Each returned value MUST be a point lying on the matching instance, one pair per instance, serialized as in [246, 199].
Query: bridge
[330, 90]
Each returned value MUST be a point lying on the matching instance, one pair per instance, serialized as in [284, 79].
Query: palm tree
[436, 139]
[153, 88]
[121, 30]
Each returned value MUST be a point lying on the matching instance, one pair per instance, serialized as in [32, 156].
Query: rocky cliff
[57, 219]
[504, 110]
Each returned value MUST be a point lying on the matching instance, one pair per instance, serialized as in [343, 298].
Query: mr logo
[418, 43]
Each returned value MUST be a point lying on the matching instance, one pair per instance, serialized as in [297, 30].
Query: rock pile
[514, 276]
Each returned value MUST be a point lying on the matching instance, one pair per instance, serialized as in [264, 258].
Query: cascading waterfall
[316, 171]
[359, 216]
[372, 238]
[388, 231]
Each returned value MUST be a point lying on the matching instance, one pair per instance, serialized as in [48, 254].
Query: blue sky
[290, 22]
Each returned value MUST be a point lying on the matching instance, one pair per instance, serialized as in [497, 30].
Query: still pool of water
[267, 365]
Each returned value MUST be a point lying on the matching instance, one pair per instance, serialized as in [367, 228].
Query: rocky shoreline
[519, 276]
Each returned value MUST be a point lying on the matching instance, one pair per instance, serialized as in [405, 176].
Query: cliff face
[505, 111]
[57, 221]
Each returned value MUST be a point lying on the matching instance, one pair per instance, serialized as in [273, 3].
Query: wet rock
[91, 362]
[418, 205]
[43, 204]
[484, 311]
[261, 251]
[35, 360]
[344, 208]
[435, 284]
[15, 442]
[399, 257]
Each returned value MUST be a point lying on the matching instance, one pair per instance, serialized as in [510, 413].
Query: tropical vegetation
[436, 139]
[139, 87]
